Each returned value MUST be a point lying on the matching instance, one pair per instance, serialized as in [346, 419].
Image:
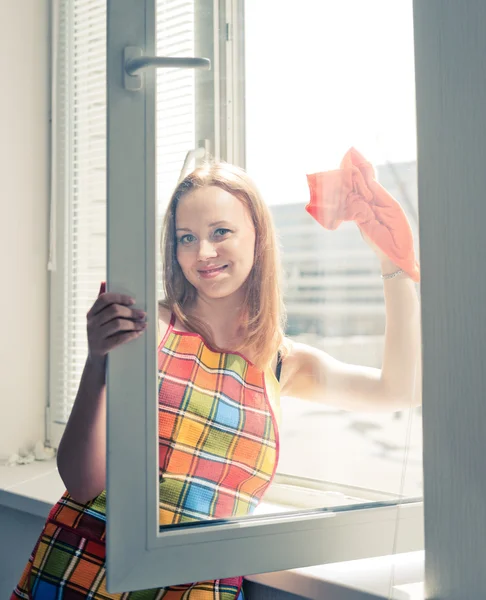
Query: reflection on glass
[260, 415]
[347, 82]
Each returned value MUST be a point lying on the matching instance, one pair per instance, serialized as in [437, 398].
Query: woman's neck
[222, 315]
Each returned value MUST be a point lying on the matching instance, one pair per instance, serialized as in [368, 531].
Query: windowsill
[32, 488]
[36, 487]
[370, 575]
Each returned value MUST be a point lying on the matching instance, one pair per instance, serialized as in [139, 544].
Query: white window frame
[137, 556]
[231, 30]
[450, 46]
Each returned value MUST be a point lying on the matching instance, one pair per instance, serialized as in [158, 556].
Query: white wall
[24, 210]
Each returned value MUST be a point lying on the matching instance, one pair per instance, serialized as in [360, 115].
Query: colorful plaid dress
[218, 452]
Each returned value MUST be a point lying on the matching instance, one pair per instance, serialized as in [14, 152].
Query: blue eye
[187, 238]
[221, 231]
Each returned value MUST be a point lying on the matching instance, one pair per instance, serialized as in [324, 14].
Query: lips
[211, 271]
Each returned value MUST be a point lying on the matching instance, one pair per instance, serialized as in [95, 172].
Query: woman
[221, 325]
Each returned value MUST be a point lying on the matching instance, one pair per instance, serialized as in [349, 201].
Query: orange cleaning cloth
[352, 193]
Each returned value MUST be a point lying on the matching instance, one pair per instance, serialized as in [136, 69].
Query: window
[308, 100]
[333, 302]
[452, 263]
[344, 511]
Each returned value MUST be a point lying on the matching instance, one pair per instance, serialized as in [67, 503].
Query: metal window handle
[134, 62]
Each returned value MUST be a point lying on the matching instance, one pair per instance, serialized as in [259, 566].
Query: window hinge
[229, 32]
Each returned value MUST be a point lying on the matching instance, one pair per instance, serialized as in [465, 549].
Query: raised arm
[312, 374]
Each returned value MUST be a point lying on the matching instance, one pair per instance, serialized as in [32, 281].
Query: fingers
[116, 311]
[119, 326]
[113, 321]
[103, 338]
[107, 299]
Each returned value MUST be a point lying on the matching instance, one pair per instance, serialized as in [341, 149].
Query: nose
[206, 250]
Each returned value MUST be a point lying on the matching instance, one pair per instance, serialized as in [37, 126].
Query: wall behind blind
[24, 210]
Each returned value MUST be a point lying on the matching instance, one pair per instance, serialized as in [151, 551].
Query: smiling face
[215, 241]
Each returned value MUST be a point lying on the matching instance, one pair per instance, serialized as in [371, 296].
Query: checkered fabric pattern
[218, 451]
[217, 437]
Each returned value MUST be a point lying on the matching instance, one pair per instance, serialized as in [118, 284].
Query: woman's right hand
[112, 322]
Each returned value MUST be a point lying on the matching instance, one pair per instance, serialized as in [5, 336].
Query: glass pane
[337, 88]
[316, 83]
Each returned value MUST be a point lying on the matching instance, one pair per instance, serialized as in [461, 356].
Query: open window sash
[138, 556]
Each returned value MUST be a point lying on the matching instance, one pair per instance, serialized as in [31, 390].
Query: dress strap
[278, 368]
[162, 338]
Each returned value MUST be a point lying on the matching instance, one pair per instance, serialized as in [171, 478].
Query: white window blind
[175, 99]
[79, 238]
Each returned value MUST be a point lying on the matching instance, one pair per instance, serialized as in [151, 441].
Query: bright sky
[321, 76]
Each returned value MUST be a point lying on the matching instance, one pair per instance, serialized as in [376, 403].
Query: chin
[217, 292]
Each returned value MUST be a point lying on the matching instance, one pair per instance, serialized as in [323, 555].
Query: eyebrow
[219, 223]
[210, 225]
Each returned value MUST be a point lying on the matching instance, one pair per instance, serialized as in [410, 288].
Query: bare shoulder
[296, 355]
[300, 367]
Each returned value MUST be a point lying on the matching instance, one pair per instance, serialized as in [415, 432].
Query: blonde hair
[264, 322]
